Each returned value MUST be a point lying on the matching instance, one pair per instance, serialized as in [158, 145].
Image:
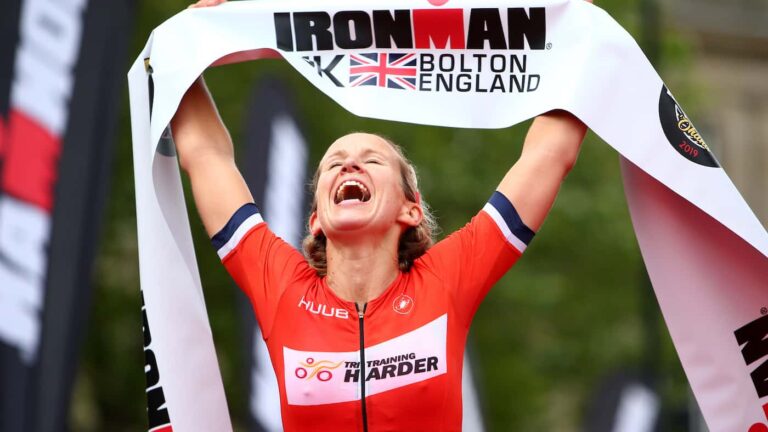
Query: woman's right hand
[206, 3]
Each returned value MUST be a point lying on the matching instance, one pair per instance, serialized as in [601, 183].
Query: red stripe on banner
[166, 428]
[30, 168]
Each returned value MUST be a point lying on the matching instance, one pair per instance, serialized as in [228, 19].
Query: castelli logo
[316, 369]
[403, 304]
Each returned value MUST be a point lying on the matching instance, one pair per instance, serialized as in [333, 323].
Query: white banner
[461, 65]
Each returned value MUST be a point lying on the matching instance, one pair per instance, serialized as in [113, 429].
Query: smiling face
[360, 190]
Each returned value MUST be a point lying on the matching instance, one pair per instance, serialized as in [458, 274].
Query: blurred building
[731, 65]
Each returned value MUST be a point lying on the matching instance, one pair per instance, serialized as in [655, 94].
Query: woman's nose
[351, 165]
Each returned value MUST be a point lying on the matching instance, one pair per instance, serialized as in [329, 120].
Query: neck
[361, 271]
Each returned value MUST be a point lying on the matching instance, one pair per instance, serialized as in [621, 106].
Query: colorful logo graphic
[320, 369]
[681, 133]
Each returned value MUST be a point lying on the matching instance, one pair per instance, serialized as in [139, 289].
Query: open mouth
[352, 190]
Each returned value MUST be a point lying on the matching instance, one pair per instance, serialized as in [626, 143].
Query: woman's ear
[314, 224]
[411, 215]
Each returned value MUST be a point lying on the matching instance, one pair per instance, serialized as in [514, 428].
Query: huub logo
[681, 133]
[753, 338]
[324, 310]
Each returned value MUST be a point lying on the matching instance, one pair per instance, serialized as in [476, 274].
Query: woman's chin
[358, 227]
[350, 226]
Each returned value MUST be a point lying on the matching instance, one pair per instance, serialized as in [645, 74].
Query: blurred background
[553, 345]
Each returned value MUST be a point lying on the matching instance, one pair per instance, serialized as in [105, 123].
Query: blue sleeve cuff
[508, 220]
[244, 218]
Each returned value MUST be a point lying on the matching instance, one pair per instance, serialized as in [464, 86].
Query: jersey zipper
[360, 315]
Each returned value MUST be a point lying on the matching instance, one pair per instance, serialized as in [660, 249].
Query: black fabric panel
[13, 374]
[601, 414]
[85, 167]
[37, 397]
[269, 100]
[9, 37]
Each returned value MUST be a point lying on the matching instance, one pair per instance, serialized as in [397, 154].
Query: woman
[368, 332]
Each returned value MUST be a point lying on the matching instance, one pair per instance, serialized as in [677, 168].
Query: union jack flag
[383, 70]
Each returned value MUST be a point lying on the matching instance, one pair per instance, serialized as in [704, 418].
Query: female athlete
[367, 330]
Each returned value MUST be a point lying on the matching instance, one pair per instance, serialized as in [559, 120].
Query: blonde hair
[414, 241]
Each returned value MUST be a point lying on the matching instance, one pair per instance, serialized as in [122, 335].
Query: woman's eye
[373, 161]
[334, 165]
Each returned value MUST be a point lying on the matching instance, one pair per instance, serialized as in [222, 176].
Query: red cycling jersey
[407, 344]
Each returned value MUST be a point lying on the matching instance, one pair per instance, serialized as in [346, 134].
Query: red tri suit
[407, 344]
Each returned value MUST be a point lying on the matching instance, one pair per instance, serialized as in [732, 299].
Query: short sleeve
[472, 259]
[262, 264]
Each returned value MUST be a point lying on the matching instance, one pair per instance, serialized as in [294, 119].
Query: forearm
[198, 131]
[556, 137]
[206, 154]
[549, 152]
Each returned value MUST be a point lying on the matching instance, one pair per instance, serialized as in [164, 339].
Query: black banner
[59, 96]
[624, 401]
[274, 167]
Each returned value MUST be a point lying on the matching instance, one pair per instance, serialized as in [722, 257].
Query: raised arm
[549, 152]
[206, 154]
